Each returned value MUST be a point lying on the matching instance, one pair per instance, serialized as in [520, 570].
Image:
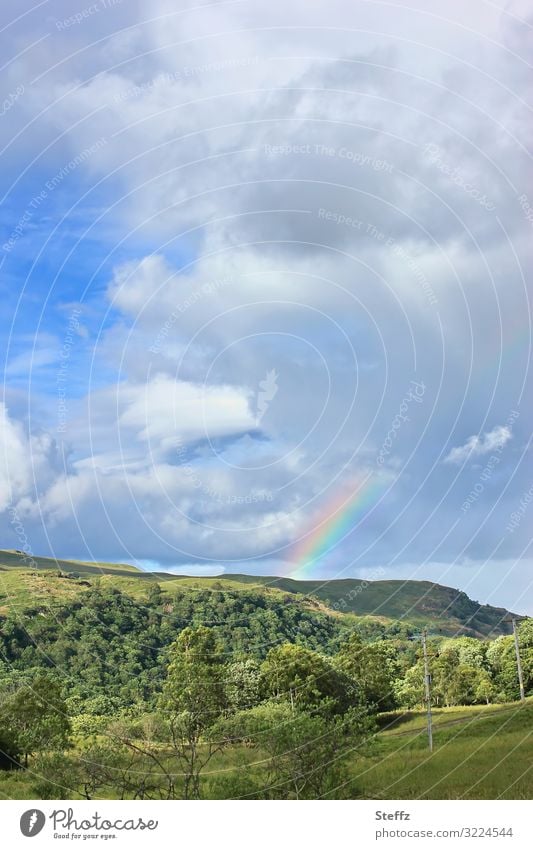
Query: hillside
[14, 559]
[494, 740]
[420, 603]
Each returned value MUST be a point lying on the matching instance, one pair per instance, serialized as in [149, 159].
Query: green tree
[307, 754]
[502, 664]
[34, 717]
[409, 690]
[525, 640]
[193, 699]
[243, 684]
[485, 690]
[369, 668]
[304, 679]
[445, 683]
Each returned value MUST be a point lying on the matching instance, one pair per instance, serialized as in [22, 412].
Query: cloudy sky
[265, 273]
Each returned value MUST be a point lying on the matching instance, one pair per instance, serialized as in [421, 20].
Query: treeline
[106, 643]
[110, 651]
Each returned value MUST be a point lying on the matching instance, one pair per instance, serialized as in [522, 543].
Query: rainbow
[341, 517]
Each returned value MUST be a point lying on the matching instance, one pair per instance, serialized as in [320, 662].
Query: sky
[265, 288]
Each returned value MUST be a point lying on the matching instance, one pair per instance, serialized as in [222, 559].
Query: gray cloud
[332, 202]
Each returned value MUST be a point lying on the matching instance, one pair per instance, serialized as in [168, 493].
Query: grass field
[479, 753]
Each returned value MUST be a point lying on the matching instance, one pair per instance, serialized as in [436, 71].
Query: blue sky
[231, 246]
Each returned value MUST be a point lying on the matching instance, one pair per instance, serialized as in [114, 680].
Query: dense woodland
[111, 696]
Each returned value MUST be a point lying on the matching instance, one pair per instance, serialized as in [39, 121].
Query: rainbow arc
[340, 518]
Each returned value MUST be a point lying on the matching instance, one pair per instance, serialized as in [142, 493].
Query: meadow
[479, 753]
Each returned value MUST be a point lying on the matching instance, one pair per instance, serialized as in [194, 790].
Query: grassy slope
[12, 559]
[485, 754]
[28, 581]
[419, 602]
[479, 753]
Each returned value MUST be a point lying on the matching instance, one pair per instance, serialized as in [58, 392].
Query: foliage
[34, 718]
[306, 680]
[501, 660]
[369, 668]
[193, 699]
[306, 753]
[243, 684]
[111, 645]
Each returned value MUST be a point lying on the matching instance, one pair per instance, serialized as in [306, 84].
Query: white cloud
[138, 286]
[477, 446]
[30, 361]
[165, 411]
[28, 463]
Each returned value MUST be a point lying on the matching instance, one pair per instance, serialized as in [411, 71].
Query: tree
[485, 691]
[368, 667]
[409, 690]
[502, 664]
[105, 768]
[34, 717]
[462, 686]
[193, 699]
[525, 640]
[471, 651]
[8, 750]
[445, 685]
[467, 679]
[56, 776]
[243, 684]
[306, 753]
[305, 679]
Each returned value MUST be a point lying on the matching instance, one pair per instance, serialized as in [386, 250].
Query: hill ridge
[421, 603]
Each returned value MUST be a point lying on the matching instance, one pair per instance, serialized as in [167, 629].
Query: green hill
[419, 603]
[14, 559]
[103, 638]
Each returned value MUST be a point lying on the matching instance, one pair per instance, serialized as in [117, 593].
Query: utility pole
[427, 684]
[518, 662]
